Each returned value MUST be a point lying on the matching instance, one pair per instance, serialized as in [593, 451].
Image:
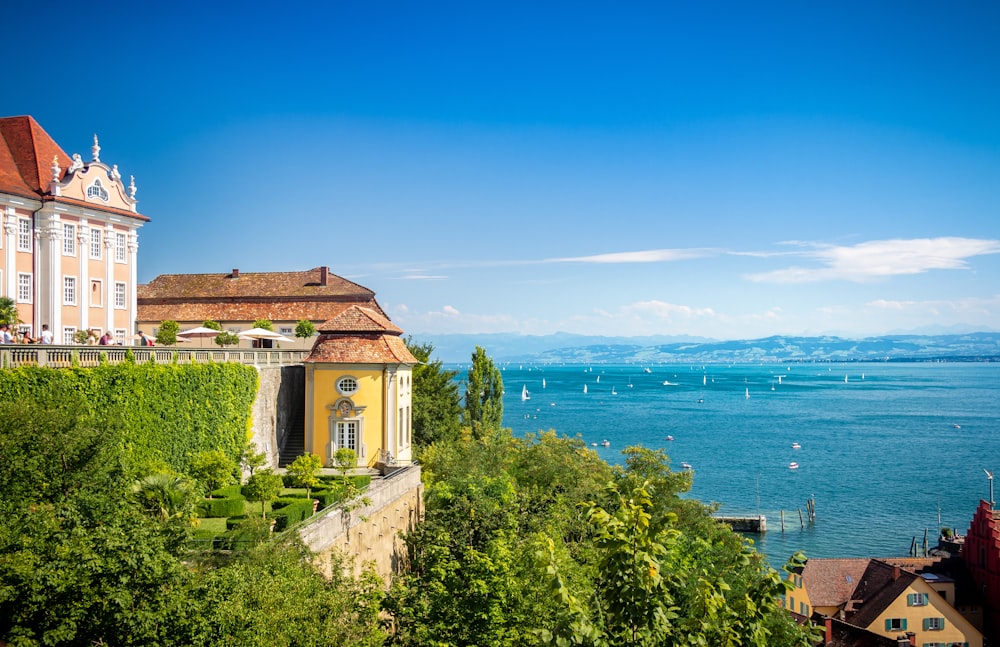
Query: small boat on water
[793, 466]
[701, 400]
[957, 426]
[613, 392]
[796, 446]
[670, 437]
[646, 370]
[605, 443]
[584, 388]
[543, 382]
[686, 466]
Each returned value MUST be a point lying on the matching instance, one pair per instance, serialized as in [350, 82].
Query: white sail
[748, 393]
[524, 393]
[543, 382]
[584, 388]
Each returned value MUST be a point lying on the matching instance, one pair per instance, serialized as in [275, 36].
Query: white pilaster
[133, 274]
[10, 259]
[83, 287]
[109, 276]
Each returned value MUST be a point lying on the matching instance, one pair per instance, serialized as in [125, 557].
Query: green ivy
[169, 413]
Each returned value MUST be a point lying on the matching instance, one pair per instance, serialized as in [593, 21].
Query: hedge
[227, 507]
[165, 413]
[292, 513]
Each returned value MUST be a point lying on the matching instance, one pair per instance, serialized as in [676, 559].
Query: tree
[81, 336]
[304, 329]
[263, 323]
[437, 406]
[8, 312]
[167, 334]
[263, 486]
[304, 471]
[251, 459]
[227, 339]
[483, 395]
[213, 469]
[211, 323]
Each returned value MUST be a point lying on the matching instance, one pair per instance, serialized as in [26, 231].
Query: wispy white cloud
[643, 256]
[423, 277]
[878, 259]
[967, 305]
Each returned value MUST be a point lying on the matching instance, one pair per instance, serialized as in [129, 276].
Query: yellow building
[359, 381]
[68, 251]
[890, 599]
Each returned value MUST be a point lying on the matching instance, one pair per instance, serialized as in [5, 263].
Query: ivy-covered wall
[165, 413]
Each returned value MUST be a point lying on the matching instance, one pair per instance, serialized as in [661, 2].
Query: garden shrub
[292, 513]
[228, 491]
[225, 507]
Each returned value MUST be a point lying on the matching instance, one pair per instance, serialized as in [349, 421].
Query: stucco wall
[370, 533]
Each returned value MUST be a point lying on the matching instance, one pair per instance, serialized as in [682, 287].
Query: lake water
[884, 448]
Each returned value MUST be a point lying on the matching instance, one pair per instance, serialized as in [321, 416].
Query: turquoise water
[880, 452]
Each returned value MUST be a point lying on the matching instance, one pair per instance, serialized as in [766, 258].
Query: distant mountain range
[583, 349]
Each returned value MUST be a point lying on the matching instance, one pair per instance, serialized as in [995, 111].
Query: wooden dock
[745, 524]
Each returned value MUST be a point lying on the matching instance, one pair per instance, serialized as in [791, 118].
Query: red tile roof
[830, 582]
[360, 335]
[26, 153]
[315, 295]
[361, 349]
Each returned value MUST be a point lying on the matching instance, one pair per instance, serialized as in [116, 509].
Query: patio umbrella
[261, 333]
[200, 331]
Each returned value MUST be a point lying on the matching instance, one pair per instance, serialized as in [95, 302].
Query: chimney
[323, 273]
[895, 572]
[236, 273]
[828, 629]
[913, 638]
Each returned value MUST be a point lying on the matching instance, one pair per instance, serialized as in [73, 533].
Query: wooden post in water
[782, 521]
[802, 524]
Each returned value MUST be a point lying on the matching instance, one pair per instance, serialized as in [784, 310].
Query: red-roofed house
[359, 381]
[69, 247]
[890, 598]
[235, 299]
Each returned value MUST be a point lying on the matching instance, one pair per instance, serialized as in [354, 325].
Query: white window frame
[25, 237]
[25, 286]
[286, 330]
[121, 247]
[121, 295]
[345, 384]
[100, 293]
[343, 431]
[69, 291]
[120, 336]
[68, 333]
[935, 624]
[69, 239]
[96, 244]
[97, 190]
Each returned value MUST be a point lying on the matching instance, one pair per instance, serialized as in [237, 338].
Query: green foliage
[224, 507]
[304, 471]
[251, 459]
[166, 497]
[80, 336]
[167, 334]
[304, 329]
[213, 469]
[227, 339]
[263, 323]
[345, 459]
[263, 486]
[8, 312]
[436, 404]
[292, 513]
[158, 415]
[483, 395]
[211, 323]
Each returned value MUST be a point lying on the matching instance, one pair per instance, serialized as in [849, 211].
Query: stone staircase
[295, 438]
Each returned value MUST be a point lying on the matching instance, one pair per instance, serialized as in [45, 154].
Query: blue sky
[729, 170]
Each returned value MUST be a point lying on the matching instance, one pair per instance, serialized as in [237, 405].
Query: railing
[14, 355]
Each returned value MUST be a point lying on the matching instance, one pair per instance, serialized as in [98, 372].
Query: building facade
[981, 554]
[359, 390]
[235, 299]
[69, 243]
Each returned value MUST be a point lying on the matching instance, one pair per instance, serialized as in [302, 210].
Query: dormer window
[97, 190]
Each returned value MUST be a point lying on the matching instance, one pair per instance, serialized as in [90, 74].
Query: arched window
[97, 190]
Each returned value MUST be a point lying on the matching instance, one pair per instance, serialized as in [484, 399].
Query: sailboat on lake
[524, 393]
[584, 388]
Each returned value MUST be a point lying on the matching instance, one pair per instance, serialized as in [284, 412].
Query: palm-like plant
[8, 312]
[165, 496]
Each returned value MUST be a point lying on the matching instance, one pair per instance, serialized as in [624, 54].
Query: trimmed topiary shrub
[227, 507]
[292, 513]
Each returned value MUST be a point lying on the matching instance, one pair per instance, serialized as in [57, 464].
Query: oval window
[347, 385]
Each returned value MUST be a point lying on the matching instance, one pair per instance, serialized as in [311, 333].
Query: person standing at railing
[46, 337]
[5, 336]
[26, 338]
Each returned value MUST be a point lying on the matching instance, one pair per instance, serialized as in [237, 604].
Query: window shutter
[926, 598]
[888, 624]
[904, 624]
[941, 622]
[927, 624]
